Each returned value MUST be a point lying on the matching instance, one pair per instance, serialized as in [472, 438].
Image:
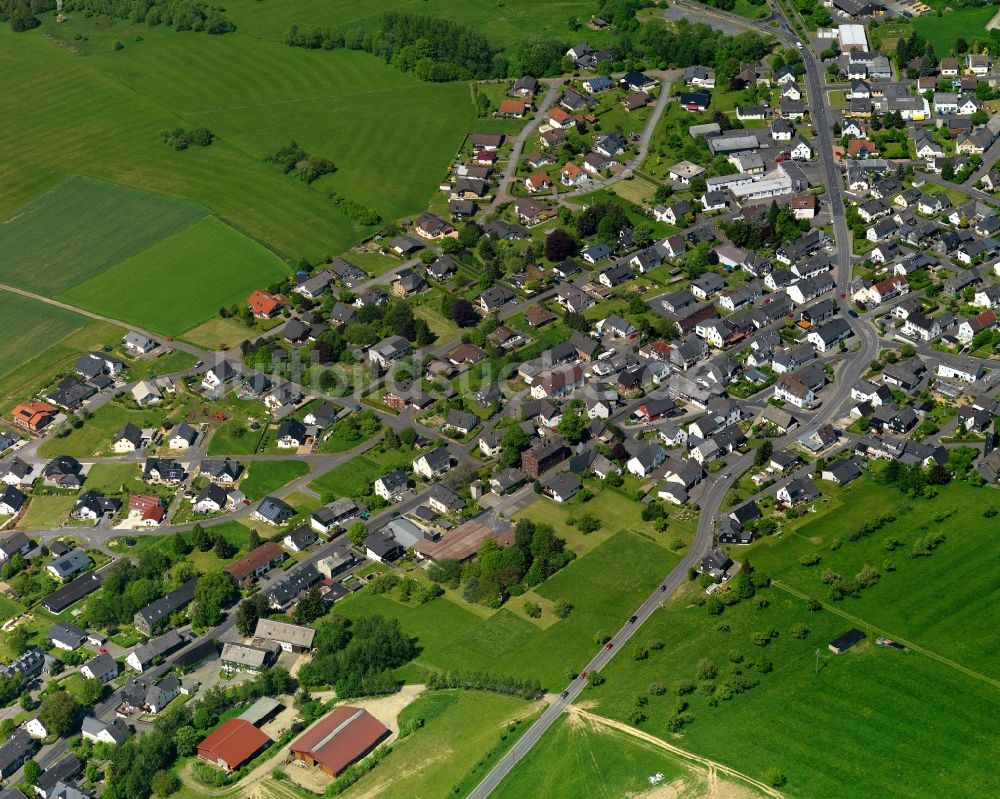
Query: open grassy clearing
[30, 327]
[256, 96]
[460, 727]
[937, 601]
[264, 477]
[96, 434]
[859, 727]
[109, 478]
[82, 227]
[352, 478]
[603, 587]
[238, 536]
[180, 281]
[48, 357]
[967, 23]
[576, 758]
[47, 512]
[93, 124]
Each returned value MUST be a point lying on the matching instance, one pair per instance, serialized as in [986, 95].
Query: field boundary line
[909, 644]
[708, 763]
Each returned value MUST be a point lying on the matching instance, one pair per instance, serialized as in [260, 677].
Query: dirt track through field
[713, 767]
[892, 636]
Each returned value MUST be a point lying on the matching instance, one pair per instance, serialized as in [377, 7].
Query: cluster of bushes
[181, 139]
[498, 573]
[840, 588]
[357, 658]
[355, 211]
[479, 681]
[307, 167]
[431, 49]
[182, 15]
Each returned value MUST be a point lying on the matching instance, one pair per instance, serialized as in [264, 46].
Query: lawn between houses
[916, 721]
[603, 586]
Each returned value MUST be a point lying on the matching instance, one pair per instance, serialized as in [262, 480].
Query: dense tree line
[182, 15]
[776, 227]
[685, 44]
[431, 49]
[480, 681]
[357, 658]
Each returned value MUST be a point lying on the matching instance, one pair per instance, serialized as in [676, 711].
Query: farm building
[340, 738]
[232, 744]
[844, 642]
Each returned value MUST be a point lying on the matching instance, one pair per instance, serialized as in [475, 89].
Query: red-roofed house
[259, 562]
[33, 415]
[560, 118]
[571, 174]
[146, 510]
[340, 738]
[232, 743]
[264, 305]
[514, 108]
[538, 182]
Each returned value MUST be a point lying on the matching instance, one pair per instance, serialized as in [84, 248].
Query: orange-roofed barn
[345, 735]
[232, 744]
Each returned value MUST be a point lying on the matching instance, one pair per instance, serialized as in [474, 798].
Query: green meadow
[604, 587]
[30, 327]
[180, 281]
[81, 228]
[390, 135]
[873, 721]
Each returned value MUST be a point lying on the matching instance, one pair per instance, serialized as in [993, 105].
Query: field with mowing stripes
[29, 327]
[180, 281]
[603, 587]
[390, 135]
[81, 228]
[872, 721]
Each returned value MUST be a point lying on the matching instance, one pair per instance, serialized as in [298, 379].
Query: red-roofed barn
[343, 736]
[232, 744]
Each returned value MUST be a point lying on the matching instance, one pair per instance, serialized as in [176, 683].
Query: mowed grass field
[34, 362]
[873, 721]
[967, 23]
[180, 281]
[942, 602]
[30, 327]
[460, 727]
[603, 587]
[81, 228]
[505, 24]
[391, 135]
[578, 758]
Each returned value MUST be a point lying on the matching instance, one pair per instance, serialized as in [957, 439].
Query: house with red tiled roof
[514, 108]
[33, 415]
[232, 743]
[146, 509]
[264, 305]
[538, 182]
